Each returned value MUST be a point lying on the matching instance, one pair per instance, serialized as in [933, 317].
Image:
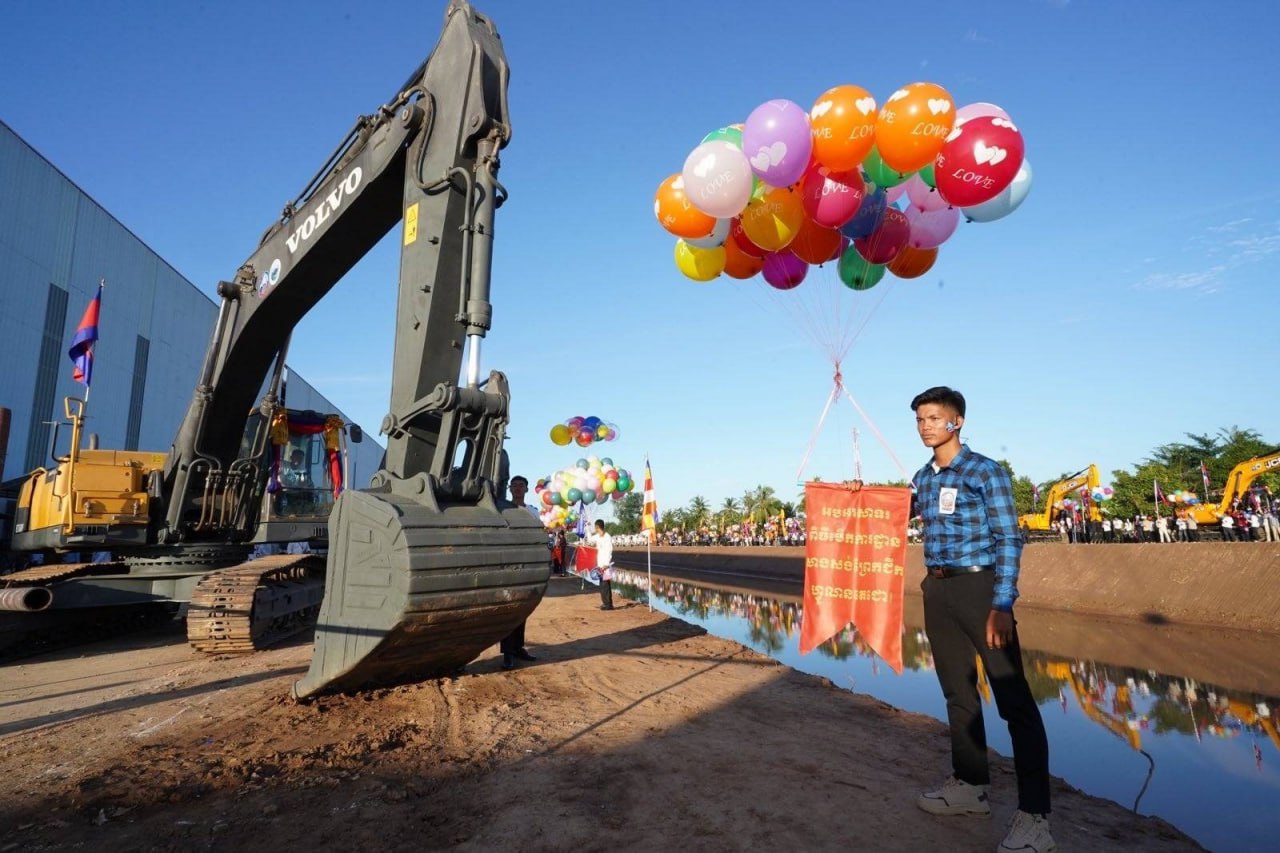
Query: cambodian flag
[1204, 474]
[81, 351]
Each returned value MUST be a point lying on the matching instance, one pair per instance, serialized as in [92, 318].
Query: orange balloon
[737, 263]
[913, 263]
[913, 125]
[773, 220]
[676, 214]
[815, 244]
[843, 121]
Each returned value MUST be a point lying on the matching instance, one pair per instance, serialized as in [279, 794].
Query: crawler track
[251, 606]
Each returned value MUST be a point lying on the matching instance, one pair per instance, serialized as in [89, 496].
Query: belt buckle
[937, 572]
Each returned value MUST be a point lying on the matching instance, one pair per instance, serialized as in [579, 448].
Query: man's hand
[999, 629]
[853, 485]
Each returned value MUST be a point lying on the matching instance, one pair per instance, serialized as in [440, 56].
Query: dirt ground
[631, 731]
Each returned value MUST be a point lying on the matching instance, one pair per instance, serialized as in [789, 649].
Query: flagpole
[1204, 479]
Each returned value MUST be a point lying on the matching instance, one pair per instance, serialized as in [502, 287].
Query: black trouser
[606, 593]
[955, 617]
[514, 641]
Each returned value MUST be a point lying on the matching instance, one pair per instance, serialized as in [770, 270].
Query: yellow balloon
[699, 264]
[560, 435]
[773, 220]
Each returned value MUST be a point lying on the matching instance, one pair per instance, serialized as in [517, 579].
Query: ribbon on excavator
[283, 426]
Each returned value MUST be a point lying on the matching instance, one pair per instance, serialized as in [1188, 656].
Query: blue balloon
[868, 217]
[575, 495]
[583, 464]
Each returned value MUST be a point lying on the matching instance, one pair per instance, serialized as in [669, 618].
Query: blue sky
[1125, 303]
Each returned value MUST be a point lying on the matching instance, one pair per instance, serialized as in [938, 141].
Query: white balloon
[1007, 201]
[717, 179]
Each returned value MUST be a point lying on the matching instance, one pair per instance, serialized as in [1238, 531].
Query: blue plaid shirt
[983, 528]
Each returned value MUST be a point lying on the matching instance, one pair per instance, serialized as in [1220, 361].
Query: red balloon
[584, 437]
[832, 198]
[979, 159]
[883, 244]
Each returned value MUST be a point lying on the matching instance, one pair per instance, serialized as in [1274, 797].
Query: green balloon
[880, 174]
[857, 273]
[926, 175]
[732, 135]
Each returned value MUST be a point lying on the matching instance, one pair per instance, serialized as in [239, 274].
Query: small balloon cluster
[1182, 496]
[583, 431]
[566, 494]
[1099, 494]
[790, 188]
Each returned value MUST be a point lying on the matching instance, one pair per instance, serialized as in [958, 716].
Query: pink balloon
[784, 270]
[924, 196]
[893, 193]
[931, 228]
[832, 198]
[883, 244]
[978, 110]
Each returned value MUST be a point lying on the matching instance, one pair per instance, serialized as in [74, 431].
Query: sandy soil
[631, 731]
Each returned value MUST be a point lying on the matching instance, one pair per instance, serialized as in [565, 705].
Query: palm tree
[764, 503]
[697, 512]
[730, 511]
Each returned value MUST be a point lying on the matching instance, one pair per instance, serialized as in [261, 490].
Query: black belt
[952, 571]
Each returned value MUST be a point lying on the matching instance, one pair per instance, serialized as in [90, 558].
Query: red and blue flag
[86, 335]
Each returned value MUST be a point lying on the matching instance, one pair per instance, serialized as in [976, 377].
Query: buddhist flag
[649, 515]
[81, 352]
[855, 562]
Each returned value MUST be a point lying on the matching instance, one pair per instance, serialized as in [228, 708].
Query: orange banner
[854, 564]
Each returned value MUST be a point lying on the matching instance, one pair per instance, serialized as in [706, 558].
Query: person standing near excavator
[512, 645]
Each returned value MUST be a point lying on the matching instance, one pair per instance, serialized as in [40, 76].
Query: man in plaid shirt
[972, 545]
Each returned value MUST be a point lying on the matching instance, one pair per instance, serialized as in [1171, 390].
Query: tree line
[1175, 466]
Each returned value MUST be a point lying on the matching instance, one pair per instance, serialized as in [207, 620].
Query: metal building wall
[154, 323]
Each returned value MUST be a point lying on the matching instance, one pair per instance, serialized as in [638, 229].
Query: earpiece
[951, 427]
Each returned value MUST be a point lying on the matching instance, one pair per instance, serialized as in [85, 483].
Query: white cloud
[1204, 281]
[1256, 246]
[1230, 226]
[977, 38]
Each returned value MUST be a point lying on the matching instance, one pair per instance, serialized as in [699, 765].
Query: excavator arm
[428, 157]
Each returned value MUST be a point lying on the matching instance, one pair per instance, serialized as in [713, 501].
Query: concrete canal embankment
[1219, 584]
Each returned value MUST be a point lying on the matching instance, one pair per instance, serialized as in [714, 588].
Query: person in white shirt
[603, 543]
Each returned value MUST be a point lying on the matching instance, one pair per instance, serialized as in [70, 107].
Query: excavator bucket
[416, 591]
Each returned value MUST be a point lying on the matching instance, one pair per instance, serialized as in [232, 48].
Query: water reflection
[1202, 756]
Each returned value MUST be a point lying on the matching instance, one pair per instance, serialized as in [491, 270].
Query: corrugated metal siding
[51, 233]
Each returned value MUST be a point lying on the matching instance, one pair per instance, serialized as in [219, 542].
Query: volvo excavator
[427, 566]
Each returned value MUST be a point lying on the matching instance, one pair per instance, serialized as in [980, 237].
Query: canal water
[1204, 757]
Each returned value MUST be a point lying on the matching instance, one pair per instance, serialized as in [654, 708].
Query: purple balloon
[931, 228]
[777, 140]
[868, 217]
[784, 270]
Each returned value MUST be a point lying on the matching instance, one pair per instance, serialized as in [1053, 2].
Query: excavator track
[38, 575]
[254, 605]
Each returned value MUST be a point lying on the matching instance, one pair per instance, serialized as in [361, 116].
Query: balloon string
[817, 430]
[876, 430]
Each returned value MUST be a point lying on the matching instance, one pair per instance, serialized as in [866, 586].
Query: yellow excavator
[427, 566]
[1043, 521]
[1062, 671]
[1237, 486]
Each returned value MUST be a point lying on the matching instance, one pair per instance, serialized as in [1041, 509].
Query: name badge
[947, 501]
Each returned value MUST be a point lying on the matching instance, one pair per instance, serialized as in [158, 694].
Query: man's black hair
[521, 479]
[599, 524]
[942, 395]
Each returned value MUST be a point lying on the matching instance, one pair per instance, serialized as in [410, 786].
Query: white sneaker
[1028, 833]
[955, 797]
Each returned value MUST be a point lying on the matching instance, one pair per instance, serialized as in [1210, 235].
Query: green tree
[730, 512]
[627, 512]
[698, 513]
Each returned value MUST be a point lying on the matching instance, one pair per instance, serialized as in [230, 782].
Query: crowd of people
[1241, 524]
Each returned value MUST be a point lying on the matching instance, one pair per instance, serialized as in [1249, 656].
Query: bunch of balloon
[573, 492]
[789, 188]
[1182, 496]
[583, 431]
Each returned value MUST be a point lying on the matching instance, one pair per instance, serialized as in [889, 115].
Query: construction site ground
[631, 731]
